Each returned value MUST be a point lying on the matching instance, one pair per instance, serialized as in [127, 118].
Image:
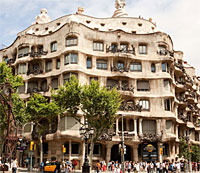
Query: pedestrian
[14, 165]
[74, 163]
[98, 167]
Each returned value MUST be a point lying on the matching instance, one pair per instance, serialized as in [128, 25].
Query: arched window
[71, 41]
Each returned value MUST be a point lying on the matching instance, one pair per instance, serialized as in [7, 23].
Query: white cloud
[178, 18]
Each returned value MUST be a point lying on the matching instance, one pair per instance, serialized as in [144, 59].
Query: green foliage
[19, 109]
[38, 108]
[184, 149]
[195, 153]
[14, 81]
[68, 97]
[99, 106]
[7, 76]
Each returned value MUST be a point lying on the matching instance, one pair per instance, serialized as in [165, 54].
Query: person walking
[14, 165]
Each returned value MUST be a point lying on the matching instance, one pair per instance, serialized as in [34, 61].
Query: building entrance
[116, 156]
[149, 151]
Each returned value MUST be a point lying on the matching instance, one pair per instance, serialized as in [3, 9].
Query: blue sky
[178, 18]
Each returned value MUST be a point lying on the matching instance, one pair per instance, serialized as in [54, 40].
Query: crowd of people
[150, 167]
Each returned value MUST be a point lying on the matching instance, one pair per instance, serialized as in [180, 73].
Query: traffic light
[161, 151]
[63, 149]
[34, 146]
[31, 145]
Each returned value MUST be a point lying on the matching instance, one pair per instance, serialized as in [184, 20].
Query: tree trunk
[91, 153]
[41, 150]
[58, 125]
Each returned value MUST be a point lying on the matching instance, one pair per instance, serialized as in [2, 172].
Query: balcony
[38, 54]
[121, 87]
[37, 90]
[130, 106]
[151, 137]
[35, 71]
[179, 66]
[117, 50]
[119, 69]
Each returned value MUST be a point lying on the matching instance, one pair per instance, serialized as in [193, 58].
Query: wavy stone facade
[160, 91]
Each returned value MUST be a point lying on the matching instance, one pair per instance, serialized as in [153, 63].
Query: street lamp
[86, 132]
[122, 145]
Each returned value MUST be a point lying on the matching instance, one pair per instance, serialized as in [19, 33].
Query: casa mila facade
[160, 90]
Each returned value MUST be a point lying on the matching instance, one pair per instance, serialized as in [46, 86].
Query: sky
[178, 18]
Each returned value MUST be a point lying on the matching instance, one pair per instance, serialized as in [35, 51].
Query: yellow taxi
[52, 167]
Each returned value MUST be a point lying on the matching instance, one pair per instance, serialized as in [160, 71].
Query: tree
[99, 106]
[68, 98]
[184, 149]
[195, 153]
[42, 113]
[16, 106]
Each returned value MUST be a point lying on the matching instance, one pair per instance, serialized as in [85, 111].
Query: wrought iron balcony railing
[151, 137]
[130, 106]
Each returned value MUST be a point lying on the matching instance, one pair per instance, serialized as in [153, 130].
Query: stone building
[160, 90]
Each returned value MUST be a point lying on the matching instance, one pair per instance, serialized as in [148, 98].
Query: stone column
[140, 126]
[135, 127]
[158, 126]
[108, 152]
[135, 152]
[176, 132]
[173, 150]
[117, 126]
[70, 149]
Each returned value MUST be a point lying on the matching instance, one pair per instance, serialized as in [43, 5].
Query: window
[144, 104]
[89, 62]
[45, 148]
[142, 49]
[32, 87]
[69, 123]
[75, 148]
[93, 78]
[137, 67]
[22, 69]
[21, 89]
[167, 105]
[54, 83]
[98, 46]
[44, 87]
[54, 46]
[169, 127]
[114, 47]
[162, 50]
[67, 76]
[71, 58]
[167, 85]
[48, 66]
[111, 83]
[143, 86]
[67, 148]
[24, 51]
[71, 41]
[165, 67]
[153, 68]
[102, 64]
[120, 65]
[149, 126]
[97, 149]
[124, 47]
[58, 64]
